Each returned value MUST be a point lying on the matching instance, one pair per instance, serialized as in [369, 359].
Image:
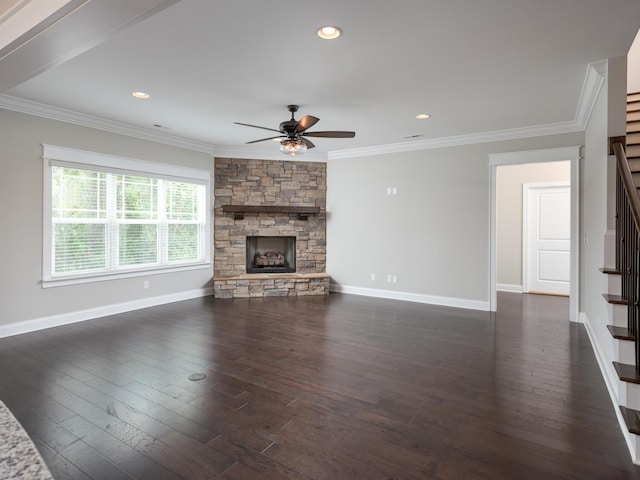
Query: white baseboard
[606, 366]
[27, 326]
[506, 287]
[610, 379]
[412, 297]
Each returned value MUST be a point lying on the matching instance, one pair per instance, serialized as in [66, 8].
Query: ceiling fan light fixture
[294, 133]
[143, 95]
[422, 116]
[293, 147]
[329, 32]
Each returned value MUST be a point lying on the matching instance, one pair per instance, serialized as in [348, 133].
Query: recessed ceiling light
[141, 94]
[329, 32]
[423, 116]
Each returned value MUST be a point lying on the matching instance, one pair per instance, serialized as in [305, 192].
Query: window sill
[61, 282]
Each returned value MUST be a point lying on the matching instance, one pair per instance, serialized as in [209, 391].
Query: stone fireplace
[269, 228]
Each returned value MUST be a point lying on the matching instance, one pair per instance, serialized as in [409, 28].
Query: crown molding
[454, 141]
[68, 116]
[55, 113]
[246, 152]
[594, 79]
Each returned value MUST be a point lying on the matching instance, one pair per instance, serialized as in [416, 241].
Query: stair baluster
[628, 255]
[619, 222]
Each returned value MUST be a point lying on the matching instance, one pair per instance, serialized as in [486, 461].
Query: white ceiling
[475, 66]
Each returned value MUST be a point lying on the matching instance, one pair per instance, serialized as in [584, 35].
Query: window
[109, 216]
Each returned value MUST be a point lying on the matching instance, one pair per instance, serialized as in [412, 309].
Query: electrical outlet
[388, 190]
[394, 191]
[394, 279]
[373, 277]
[388, 278]
[145, 284]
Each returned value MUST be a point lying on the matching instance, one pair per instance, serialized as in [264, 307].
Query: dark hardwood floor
[337, 387]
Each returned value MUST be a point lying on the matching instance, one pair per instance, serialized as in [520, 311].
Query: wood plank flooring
[337, 387]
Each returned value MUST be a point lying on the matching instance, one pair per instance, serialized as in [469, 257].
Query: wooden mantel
[239, 210]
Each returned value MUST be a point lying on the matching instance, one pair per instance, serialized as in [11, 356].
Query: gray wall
[21, 182]
[434, 235]
[509, 185]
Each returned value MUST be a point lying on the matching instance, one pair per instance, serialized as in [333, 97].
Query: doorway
[571, 154]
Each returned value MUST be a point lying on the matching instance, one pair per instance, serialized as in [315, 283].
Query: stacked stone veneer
[269, 182]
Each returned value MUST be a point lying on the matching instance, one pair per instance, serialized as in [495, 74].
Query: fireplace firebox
[271, 254]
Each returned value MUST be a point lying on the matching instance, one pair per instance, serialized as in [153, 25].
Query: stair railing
[628, 246]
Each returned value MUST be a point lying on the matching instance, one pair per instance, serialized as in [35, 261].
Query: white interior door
[547, 238]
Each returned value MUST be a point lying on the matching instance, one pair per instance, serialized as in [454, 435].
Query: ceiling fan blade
[308, 143]
[336, 134]
[257, 126]
[265, 139]
[306, 122]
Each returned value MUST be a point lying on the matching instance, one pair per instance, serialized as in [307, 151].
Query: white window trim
[62, 156]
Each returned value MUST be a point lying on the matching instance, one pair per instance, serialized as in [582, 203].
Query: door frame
[526, 187]
[537, 156]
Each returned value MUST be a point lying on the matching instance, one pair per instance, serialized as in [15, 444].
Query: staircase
[633, 135]
[623, 280]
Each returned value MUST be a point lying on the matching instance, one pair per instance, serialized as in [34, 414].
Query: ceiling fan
[293, 133]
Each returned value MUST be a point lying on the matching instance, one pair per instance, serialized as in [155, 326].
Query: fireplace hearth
[271, 254]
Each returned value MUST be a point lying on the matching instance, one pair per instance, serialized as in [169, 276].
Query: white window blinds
[107, 219]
